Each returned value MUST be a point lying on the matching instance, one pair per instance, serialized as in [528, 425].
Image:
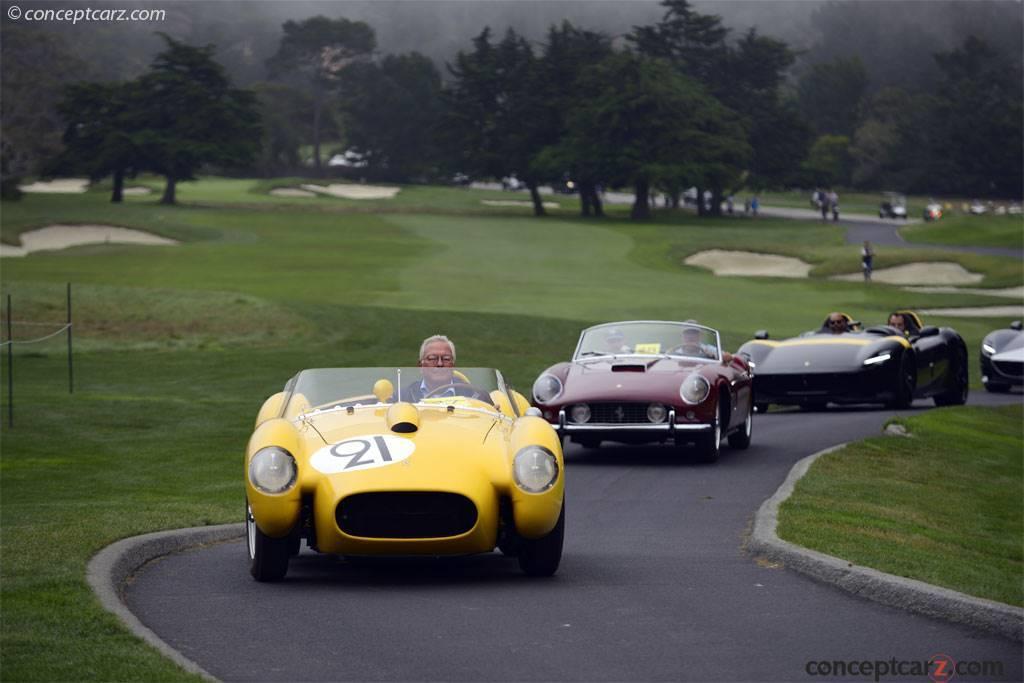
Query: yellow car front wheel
[268, 557]
[541, 556]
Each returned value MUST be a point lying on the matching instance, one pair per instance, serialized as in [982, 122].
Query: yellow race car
[391, 461]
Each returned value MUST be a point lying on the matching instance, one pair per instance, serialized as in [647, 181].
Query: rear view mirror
[1016, 325]
[761, 334]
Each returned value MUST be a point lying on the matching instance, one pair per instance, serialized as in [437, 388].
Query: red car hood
[627, 379]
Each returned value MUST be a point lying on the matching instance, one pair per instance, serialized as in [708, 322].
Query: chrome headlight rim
[695, 380]
[541, 399]
[283, 470]
[524, 471]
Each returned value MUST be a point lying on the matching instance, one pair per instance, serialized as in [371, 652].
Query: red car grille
[406, 514]
[619, 413]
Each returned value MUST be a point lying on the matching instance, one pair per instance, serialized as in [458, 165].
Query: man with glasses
[438, 378]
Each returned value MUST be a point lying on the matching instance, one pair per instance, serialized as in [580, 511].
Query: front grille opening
[406, 514]
[619, 413]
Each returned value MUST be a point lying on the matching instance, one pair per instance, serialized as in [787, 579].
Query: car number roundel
[363, 453]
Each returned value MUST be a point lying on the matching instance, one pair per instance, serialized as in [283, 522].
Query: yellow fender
[536, 514]
[275, 514]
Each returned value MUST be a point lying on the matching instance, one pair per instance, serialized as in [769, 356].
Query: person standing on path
[867, 255]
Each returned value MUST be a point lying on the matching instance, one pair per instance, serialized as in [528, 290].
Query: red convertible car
[649, 381]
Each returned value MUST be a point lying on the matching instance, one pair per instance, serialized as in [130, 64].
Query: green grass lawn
[982, 231]
[178, 346]
[945, 506]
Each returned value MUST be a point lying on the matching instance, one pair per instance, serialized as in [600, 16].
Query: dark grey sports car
[879, 364]
[1002, 358]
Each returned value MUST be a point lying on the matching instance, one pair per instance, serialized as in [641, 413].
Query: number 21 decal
[364, 453]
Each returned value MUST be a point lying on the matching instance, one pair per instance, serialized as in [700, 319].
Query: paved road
[654, 585]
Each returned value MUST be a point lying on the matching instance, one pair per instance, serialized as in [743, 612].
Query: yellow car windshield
[322, 388]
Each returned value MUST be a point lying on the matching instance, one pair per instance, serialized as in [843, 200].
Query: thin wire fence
[10, 343]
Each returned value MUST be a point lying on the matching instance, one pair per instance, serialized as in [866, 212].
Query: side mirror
[761, 334]
[929, 331]
[1016, 325]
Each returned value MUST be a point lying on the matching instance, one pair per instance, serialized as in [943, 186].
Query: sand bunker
[137, 191]
[291, 192]
[1007, 292]
[55, 237]
[937, 273]
[346, 191]
[722, 262]
[518, 202]
[977, 312]
[59, 186]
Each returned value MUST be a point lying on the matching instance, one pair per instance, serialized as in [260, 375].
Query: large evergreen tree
[101, 120]
[392, 112]
[493, 111]
[192, 116]
[313, 54]
[646, 124]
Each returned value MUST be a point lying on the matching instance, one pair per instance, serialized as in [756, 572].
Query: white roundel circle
[363, 453]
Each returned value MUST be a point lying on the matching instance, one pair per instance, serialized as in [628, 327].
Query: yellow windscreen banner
[654, 347]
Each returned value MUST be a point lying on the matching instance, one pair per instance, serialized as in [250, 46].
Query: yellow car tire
[268, 557]
[541, 556]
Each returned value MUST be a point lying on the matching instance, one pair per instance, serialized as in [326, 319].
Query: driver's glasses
[437, 360]
[836, 323]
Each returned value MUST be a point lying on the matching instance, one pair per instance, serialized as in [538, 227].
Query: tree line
[676, 104]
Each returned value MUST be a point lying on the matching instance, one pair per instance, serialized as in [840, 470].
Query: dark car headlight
[535, 469]
[273, 470]
[547, 388]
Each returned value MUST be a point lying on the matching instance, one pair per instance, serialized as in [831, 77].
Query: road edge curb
[111, 567]
[887, 589]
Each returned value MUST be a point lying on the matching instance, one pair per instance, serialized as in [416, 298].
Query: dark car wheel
[541, 556]
[268, 557]
[906, 382]
[740, 439]
[710, 445]
[957, 393]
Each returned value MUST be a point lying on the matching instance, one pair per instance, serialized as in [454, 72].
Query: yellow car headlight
[273, 470]
[535, 469]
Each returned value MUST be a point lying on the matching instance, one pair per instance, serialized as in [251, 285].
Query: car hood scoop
[629, 367]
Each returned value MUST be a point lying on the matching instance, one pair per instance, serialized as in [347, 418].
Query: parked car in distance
[932, 211]
[893, 206]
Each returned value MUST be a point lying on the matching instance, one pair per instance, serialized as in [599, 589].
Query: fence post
[71, 374]
[10, 367]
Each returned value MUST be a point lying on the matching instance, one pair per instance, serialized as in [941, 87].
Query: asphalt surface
[654, 585]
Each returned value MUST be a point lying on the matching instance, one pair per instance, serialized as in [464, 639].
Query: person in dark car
[836, 323]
